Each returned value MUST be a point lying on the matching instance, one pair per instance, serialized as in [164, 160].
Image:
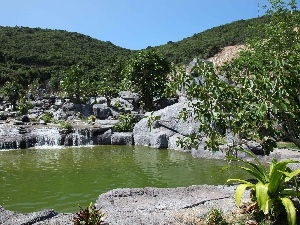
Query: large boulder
[102, 138]
[122, 138]
[159, 138]
[165, 127]
[101, 111]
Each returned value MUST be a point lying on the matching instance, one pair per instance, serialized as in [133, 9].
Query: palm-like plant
[271, 193]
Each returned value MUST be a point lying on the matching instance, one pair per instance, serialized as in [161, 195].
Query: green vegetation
[288, 145]
[88, 216]
[257, 95]
[24, 106]
[215, 217]
[28, 54]
[74, 85]
[126, 123]
[273, 193]
[209, 42]
[146, 73]
[92, 118]
[39, 58]
[65, 125]
[12, 91]
[47, 117]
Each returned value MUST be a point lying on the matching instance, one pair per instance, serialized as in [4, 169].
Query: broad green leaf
[290, 175]
[290, 210]
[239, 192]
[263, 199]
[276, 175]
[258, 175]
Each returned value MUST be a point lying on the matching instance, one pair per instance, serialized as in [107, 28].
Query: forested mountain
[208, 43]
[28, 54]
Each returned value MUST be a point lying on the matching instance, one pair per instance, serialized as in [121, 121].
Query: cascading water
[47, 137]
[79, 137]
[15, 137]
[9, 137]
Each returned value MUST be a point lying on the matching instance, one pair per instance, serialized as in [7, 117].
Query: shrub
[88, 216]
[24, 106]
[92, 118]
[65, 125]
[272, 193]
[215, 217]
[126, 123]
[47, 117]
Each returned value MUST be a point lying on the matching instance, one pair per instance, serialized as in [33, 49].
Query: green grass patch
[289, 145]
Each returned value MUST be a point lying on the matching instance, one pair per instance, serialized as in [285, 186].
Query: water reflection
[34, 179]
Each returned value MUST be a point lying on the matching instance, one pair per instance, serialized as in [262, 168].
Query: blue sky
[132, 24]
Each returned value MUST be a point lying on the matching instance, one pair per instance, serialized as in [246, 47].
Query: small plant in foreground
[272, 193]
[215, 217]
[88, 216]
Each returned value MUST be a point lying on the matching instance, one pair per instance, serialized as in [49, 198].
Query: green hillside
[208, 43]
[33, 53]
[28, 54]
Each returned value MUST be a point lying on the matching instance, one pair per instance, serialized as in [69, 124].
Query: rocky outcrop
[122, 138]
[18, 135]
[136, 206]
[167, 125]
[101, 111]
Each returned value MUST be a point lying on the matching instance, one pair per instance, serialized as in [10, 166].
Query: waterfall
[26, 136]
[80, 137]
[47, 137]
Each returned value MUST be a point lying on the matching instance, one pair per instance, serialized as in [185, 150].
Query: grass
[289, 145]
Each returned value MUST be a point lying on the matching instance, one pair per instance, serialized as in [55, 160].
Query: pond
[37, 179]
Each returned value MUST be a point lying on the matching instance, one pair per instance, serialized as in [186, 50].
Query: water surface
[36, 179]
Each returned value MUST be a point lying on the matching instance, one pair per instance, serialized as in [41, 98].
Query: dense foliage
[146, 73]
[272, 193]
[27, 54]
[255, 95]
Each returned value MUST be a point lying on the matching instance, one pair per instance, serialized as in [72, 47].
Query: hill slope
[31, 53]
[28, 54]
[210, 42]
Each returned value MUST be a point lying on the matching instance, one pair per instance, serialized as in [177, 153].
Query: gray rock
[101, 111]
[84, 109]
[122, 138]
[101, 100]
[255, 147]
[128, 95]
[120, 103]
[173, 143]
[141, 133]
[168, 120]
[12, 218]
[104, 138]
[25, 119]
[137, 206]
[159, 138]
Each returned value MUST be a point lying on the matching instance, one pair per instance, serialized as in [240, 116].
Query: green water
[35, 179]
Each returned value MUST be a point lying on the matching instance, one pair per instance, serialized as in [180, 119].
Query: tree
[12, 90]
[146, 73]
[256, 95]
[74, 84]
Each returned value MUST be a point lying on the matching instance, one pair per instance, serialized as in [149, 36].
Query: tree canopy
[256, 95]
[146, 73]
